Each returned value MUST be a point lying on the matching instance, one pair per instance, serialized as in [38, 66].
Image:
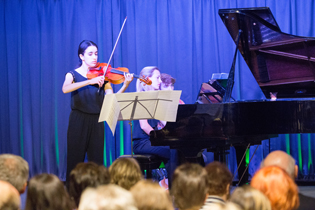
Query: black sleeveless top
[87, 99]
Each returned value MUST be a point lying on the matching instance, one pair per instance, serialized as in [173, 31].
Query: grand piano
[283, 66]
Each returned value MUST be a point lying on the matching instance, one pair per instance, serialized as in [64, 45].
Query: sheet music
[161, 105]
[167, 105]
[144, 108]
[111, 113]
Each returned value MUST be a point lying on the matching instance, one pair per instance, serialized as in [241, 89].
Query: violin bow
[110, 58]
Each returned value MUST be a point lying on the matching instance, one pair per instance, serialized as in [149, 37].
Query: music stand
[161, 105]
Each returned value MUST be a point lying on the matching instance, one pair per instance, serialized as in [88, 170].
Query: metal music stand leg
[130, 123]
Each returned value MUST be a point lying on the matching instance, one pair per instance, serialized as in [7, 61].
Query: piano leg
[219, 154]
[240, 151]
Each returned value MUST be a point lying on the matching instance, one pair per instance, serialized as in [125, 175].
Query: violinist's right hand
[97, 80]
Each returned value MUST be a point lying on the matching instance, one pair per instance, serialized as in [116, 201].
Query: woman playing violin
[85, 134]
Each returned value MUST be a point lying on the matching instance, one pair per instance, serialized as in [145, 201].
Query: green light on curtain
[104, 152]
[56, 137]
[21, 124]
[110, 157]
[310, 162]
[300, 151]
[287, 143]
[21, 137]
[122, 152]
[247, 157]
[41, 153]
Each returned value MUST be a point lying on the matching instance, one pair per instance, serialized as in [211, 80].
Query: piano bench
[147, 163]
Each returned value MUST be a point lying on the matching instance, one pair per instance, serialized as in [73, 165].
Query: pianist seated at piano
[168, 83]
[142, 128]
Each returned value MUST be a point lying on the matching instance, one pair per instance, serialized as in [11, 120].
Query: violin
[113, 75]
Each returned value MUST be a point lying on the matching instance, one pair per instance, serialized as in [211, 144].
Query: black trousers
[85, 135]
[169, 156]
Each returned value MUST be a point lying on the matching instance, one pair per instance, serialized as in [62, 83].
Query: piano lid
[280, 62]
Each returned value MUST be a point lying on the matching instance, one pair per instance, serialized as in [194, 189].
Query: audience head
[46, 191]
[282, 160]
[14, 169]
[278, 186]
[189, 186]
[249, 198]
[229, 206]
[125, 172]
[150, 195]
[86, 175]
[9, 197]
[219, 179]
[167, 82]
[153, 73]
[108, 196]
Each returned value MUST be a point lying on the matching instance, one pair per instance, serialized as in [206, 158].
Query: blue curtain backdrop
[185, 38]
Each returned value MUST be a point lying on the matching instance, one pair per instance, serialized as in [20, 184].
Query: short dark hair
[86, 175]
[219, 177]
[167, 79]
[189, 186]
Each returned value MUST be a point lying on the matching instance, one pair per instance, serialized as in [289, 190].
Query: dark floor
[307, 190]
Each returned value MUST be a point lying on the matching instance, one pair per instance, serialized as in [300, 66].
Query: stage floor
[307, 190]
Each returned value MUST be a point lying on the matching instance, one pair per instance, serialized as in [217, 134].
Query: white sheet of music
[161, 105]
[111, 111]
[167, 105]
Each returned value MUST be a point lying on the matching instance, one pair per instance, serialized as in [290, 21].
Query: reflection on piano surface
[280, 63]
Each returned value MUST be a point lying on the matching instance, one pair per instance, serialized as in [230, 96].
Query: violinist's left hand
[128, 78]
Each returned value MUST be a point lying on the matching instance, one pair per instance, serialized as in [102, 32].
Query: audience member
[249, 198]
[219, 181]
[150, 195]
[86, 175]
[108, 196]
[46, 191]
[287, 163]
[9, 197]
[189, 186]
[229, 206]
[125, 172]
[278, 186]
[14, 169]
[282, 160]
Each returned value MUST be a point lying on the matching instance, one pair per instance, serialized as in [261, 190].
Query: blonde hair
[107, 197]
[146, 72]
[249, 198]
[150, 195]
[125, 172]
